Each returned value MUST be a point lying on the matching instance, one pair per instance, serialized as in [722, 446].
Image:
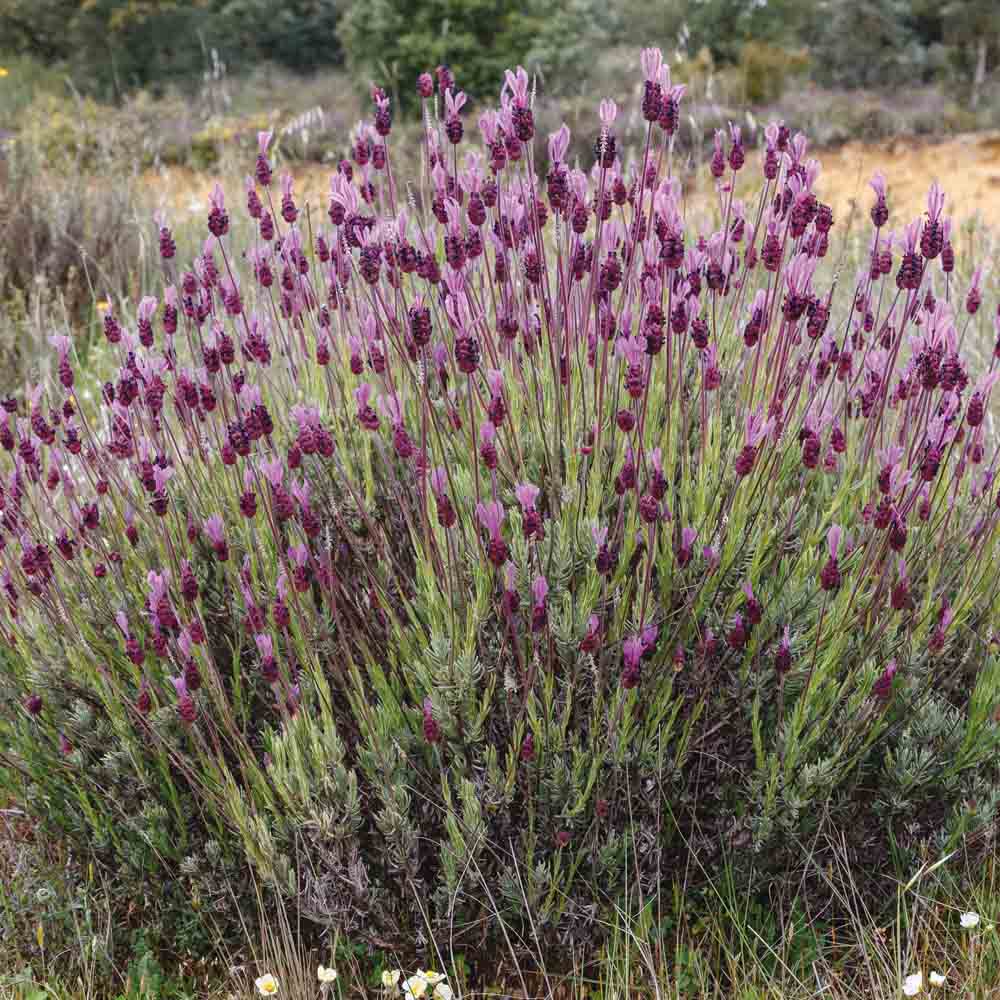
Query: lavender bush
[490, 543]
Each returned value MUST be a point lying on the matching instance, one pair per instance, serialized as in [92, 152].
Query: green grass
[68, 937]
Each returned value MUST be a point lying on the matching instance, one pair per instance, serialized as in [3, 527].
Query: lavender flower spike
[491, 517]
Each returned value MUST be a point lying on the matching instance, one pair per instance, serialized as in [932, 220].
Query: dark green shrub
[113, 48]
[391, 42]
[766, 69]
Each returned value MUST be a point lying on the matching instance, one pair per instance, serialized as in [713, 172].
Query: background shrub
[113, 47]
[766, 69]
[392, 42]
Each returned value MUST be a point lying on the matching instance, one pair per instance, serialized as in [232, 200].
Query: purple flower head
[882, 687]
[911, 236]
[517, 83]
[453, 213]
[432, 730]
[797, 147]
[976, 283]
[833, 538]
[161, 477]
[935, 202]
[305, 417]
[147, 308]
[489, 126]
[756, 428]
[718, 161]
[491, 517]
[454, 103]
[159, 584]
[558, 144]
[632, 349]
[592, 640]
[215, 529]
[632, 651]
[301, 490]
[648, 637]
[250, 396]
[391, 408]
[62, 345]
[799, 275]
[439, 481]
[899, 479]
[265, 646]
[526, 495]
[673, 94]
[890, 456]
[737, 637]
[121, 620]
[274, 472]
[494, 379]
[651, 61]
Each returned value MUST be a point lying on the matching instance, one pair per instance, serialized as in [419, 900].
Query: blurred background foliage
[111, 48]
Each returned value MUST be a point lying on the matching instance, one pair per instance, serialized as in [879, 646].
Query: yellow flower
[4, 72]
[390, 978]
[103, 306]
[325, 975]
[267, 985]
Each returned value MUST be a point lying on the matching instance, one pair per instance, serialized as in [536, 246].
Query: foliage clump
[485, 546]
